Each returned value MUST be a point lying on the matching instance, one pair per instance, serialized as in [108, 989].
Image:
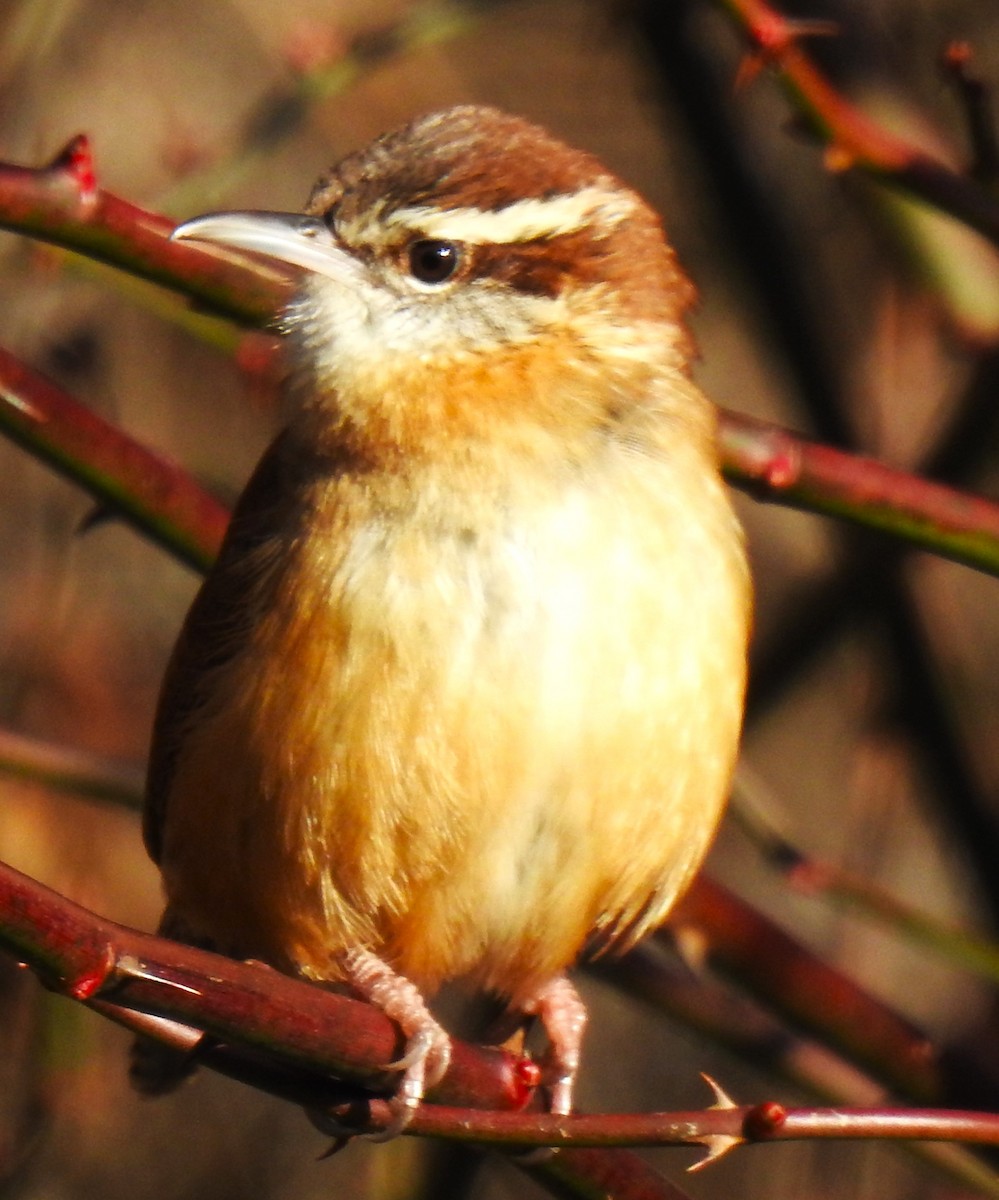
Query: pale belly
[467, 755]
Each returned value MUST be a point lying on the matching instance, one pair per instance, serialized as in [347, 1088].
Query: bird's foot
[562, 1013]
[427, 1052]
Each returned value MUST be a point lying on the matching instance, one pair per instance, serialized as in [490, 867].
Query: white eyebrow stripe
[522, 221]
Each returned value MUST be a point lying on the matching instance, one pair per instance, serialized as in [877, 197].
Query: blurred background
[827, 305]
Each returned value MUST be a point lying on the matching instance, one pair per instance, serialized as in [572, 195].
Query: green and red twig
[853, 140]
[147, 490]
[781, 467]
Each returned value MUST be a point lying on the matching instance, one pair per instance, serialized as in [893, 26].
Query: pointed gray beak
[291, 238]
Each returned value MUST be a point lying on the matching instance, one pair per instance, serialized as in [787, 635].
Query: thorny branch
[852, 139]
[305, 1033]
[279, 1034]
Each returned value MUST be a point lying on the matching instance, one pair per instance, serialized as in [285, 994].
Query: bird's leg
[562, 1013]
[428, 1047]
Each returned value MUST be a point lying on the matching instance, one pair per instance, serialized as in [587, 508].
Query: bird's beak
[292, 238]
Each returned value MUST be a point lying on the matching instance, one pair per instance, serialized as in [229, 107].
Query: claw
[563, 1015]
[417, 1049]
[427, 1053]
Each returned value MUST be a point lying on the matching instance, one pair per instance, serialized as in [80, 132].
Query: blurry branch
[976, 101]
[158, 498]
[151, 493]
[66, 770]
[62, 204]
[755, 235]
[328, 70]
[808, 992]
[812, 877]
[853, 141]
[294, 1032]
[773, 464]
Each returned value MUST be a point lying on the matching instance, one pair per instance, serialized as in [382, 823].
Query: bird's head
[466, 273]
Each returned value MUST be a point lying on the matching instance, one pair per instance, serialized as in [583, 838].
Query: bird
[461, 697]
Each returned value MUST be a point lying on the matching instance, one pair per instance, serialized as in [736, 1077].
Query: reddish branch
[810, 993]
[306, 1032]
[779, 466]
[147, 490]
[89, 959]
[61, 203]
[277, 1033]
[976, 101]
[766, 1122]
[853, 139]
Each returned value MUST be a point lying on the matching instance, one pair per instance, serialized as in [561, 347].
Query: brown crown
[478, 157]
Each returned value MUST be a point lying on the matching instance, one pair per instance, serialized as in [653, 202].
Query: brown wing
[214, 629]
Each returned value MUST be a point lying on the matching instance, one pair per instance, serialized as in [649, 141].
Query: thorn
[99, 515]
[717, 1144]
[130, 967]
[774, 34]
[723, 1101]
[340, 1143]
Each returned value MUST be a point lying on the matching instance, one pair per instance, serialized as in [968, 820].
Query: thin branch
[975, 99]
[66, 770]
[158, 497]
[62, 203]
[284, 110]
[825, 880]
[720, 1013]
[809, 992]
[765, 1122]
[754, 232]
[773, 464]
[854, 141]
[153, 494]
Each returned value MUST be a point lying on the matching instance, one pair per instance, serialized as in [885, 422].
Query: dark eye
[433, 261]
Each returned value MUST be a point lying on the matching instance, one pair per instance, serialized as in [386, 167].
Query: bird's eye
[432, 260]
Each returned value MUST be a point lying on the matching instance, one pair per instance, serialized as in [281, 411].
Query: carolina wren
[462, 694]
